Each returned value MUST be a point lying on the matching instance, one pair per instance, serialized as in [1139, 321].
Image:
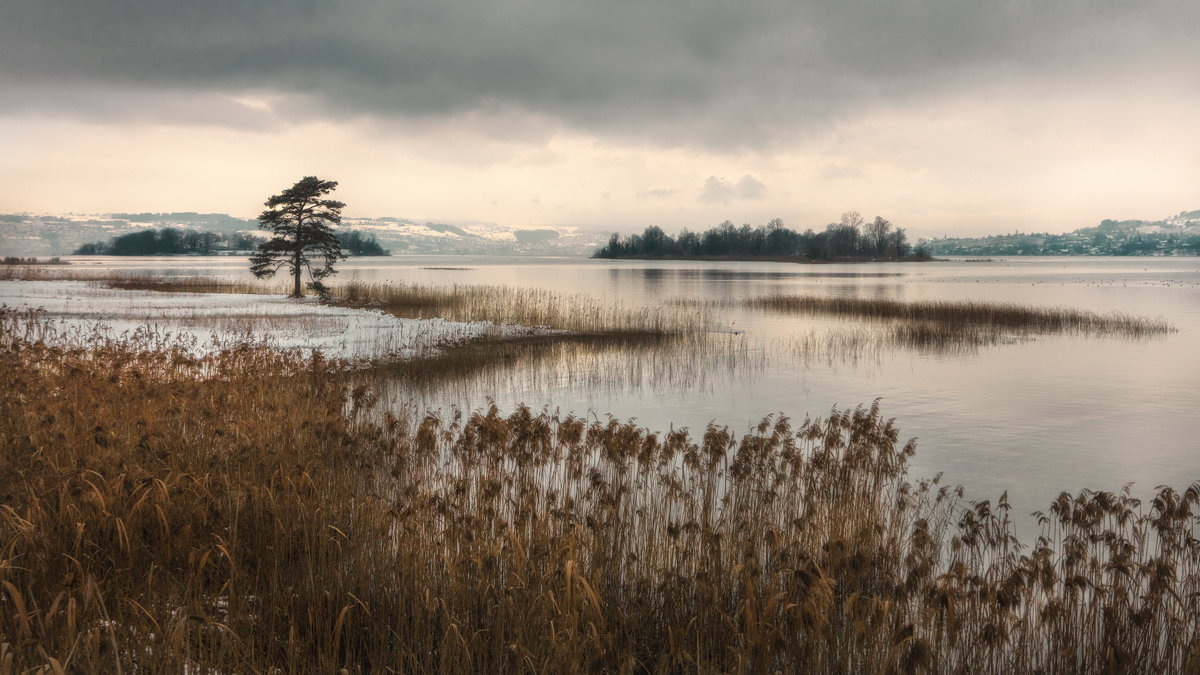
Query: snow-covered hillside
[25, 234]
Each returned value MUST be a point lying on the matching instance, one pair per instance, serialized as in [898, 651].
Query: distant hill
[59, 234]
[1175, 235]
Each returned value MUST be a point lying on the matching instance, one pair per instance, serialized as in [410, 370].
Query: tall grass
[140, 281]
[577, 314]
[945, 320]
[588, 365]
[249, 511]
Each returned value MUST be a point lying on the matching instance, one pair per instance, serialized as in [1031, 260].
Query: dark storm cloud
[720, 73]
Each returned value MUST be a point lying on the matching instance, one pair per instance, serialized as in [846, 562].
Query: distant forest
[175, 241]
[851, 239]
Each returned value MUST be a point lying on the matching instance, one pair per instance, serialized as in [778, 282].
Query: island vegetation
[180, 241]
[851, 239]
[171, 241]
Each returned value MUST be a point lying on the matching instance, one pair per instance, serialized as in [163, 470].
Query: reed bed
[141, 281]
[583, 364]
[855, 345]
[251, 511]
[534, 308]
[577, 314]
[947, 321]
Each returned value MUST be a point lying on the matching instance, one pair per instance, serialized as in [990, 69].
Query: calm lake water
[1032, 416]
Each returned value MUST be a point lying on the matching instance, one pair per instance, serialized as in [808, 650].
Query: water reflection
[1032, 415]
[569, 368]
[728, 274]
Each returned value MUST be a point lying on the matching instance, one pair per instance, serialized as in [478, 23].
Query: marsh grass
[937, 321]
[870, 344]
[586, 365]
[18, 260]
[250, 511]
[141, 281]
[577, 314]
[501, 305]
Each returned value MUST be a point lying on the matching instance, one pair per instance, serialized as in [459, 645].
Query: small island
[850, 240]
[177, 241]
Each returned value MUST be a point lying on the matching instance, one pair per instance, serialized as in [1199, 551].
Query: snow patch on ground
[211, 320]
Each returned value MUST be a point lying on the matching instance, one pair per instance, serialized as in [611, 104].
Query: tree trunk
[296, 273]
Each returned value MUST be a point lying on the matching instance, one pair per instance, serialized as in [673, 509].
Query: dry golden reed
[535, 308]
[520, 306]
[250, 511]
[940, 321]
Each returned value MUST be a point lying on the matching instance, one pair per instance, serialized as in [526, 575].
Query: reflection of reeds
[855, 345]
[582, 364]
[949, 321]
[241, 512]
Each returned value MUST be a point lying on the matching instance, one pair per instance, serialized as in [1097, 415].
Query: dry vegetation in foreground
[246, 511]
[930, 322]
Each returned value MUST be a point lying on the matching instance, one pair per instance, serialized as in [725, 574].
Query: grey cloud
[140, 104]
[719, 191]
[840, 172]
[676, 71]
[657, 193]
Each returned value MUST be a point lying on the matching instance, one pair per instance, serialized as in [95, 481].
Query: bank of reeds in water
[532, 307]
[936, 321]
[248, 512]
[866, 344]
[142, 281]
[581, 364]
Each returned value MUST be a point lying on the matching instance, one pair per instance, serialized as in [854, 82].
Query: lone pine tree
[302, 222]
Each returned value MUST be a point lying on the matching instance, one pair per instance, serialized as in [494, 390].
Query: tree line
[177, 241]
[850, 239]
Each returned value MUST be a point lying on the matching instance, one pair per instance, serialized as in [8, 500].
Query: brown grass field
[253, 511]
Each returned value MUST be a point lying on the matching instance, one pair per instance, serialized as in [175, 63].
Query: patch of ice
[211, 320]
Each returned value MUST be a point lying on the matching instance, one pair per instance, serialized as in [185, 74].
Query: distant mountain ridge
[1175, 235]
[59, 234]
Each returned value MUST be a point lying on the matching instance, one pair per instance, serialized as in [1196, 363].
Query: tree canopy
[359, 243]
[170, 241]
[302, 223]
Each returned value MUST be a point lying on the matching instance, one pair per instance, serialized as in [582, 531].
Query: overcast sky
[946, 116]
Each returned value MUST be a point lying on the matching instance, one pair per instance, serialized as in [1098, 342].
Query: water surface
[1033, 416]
